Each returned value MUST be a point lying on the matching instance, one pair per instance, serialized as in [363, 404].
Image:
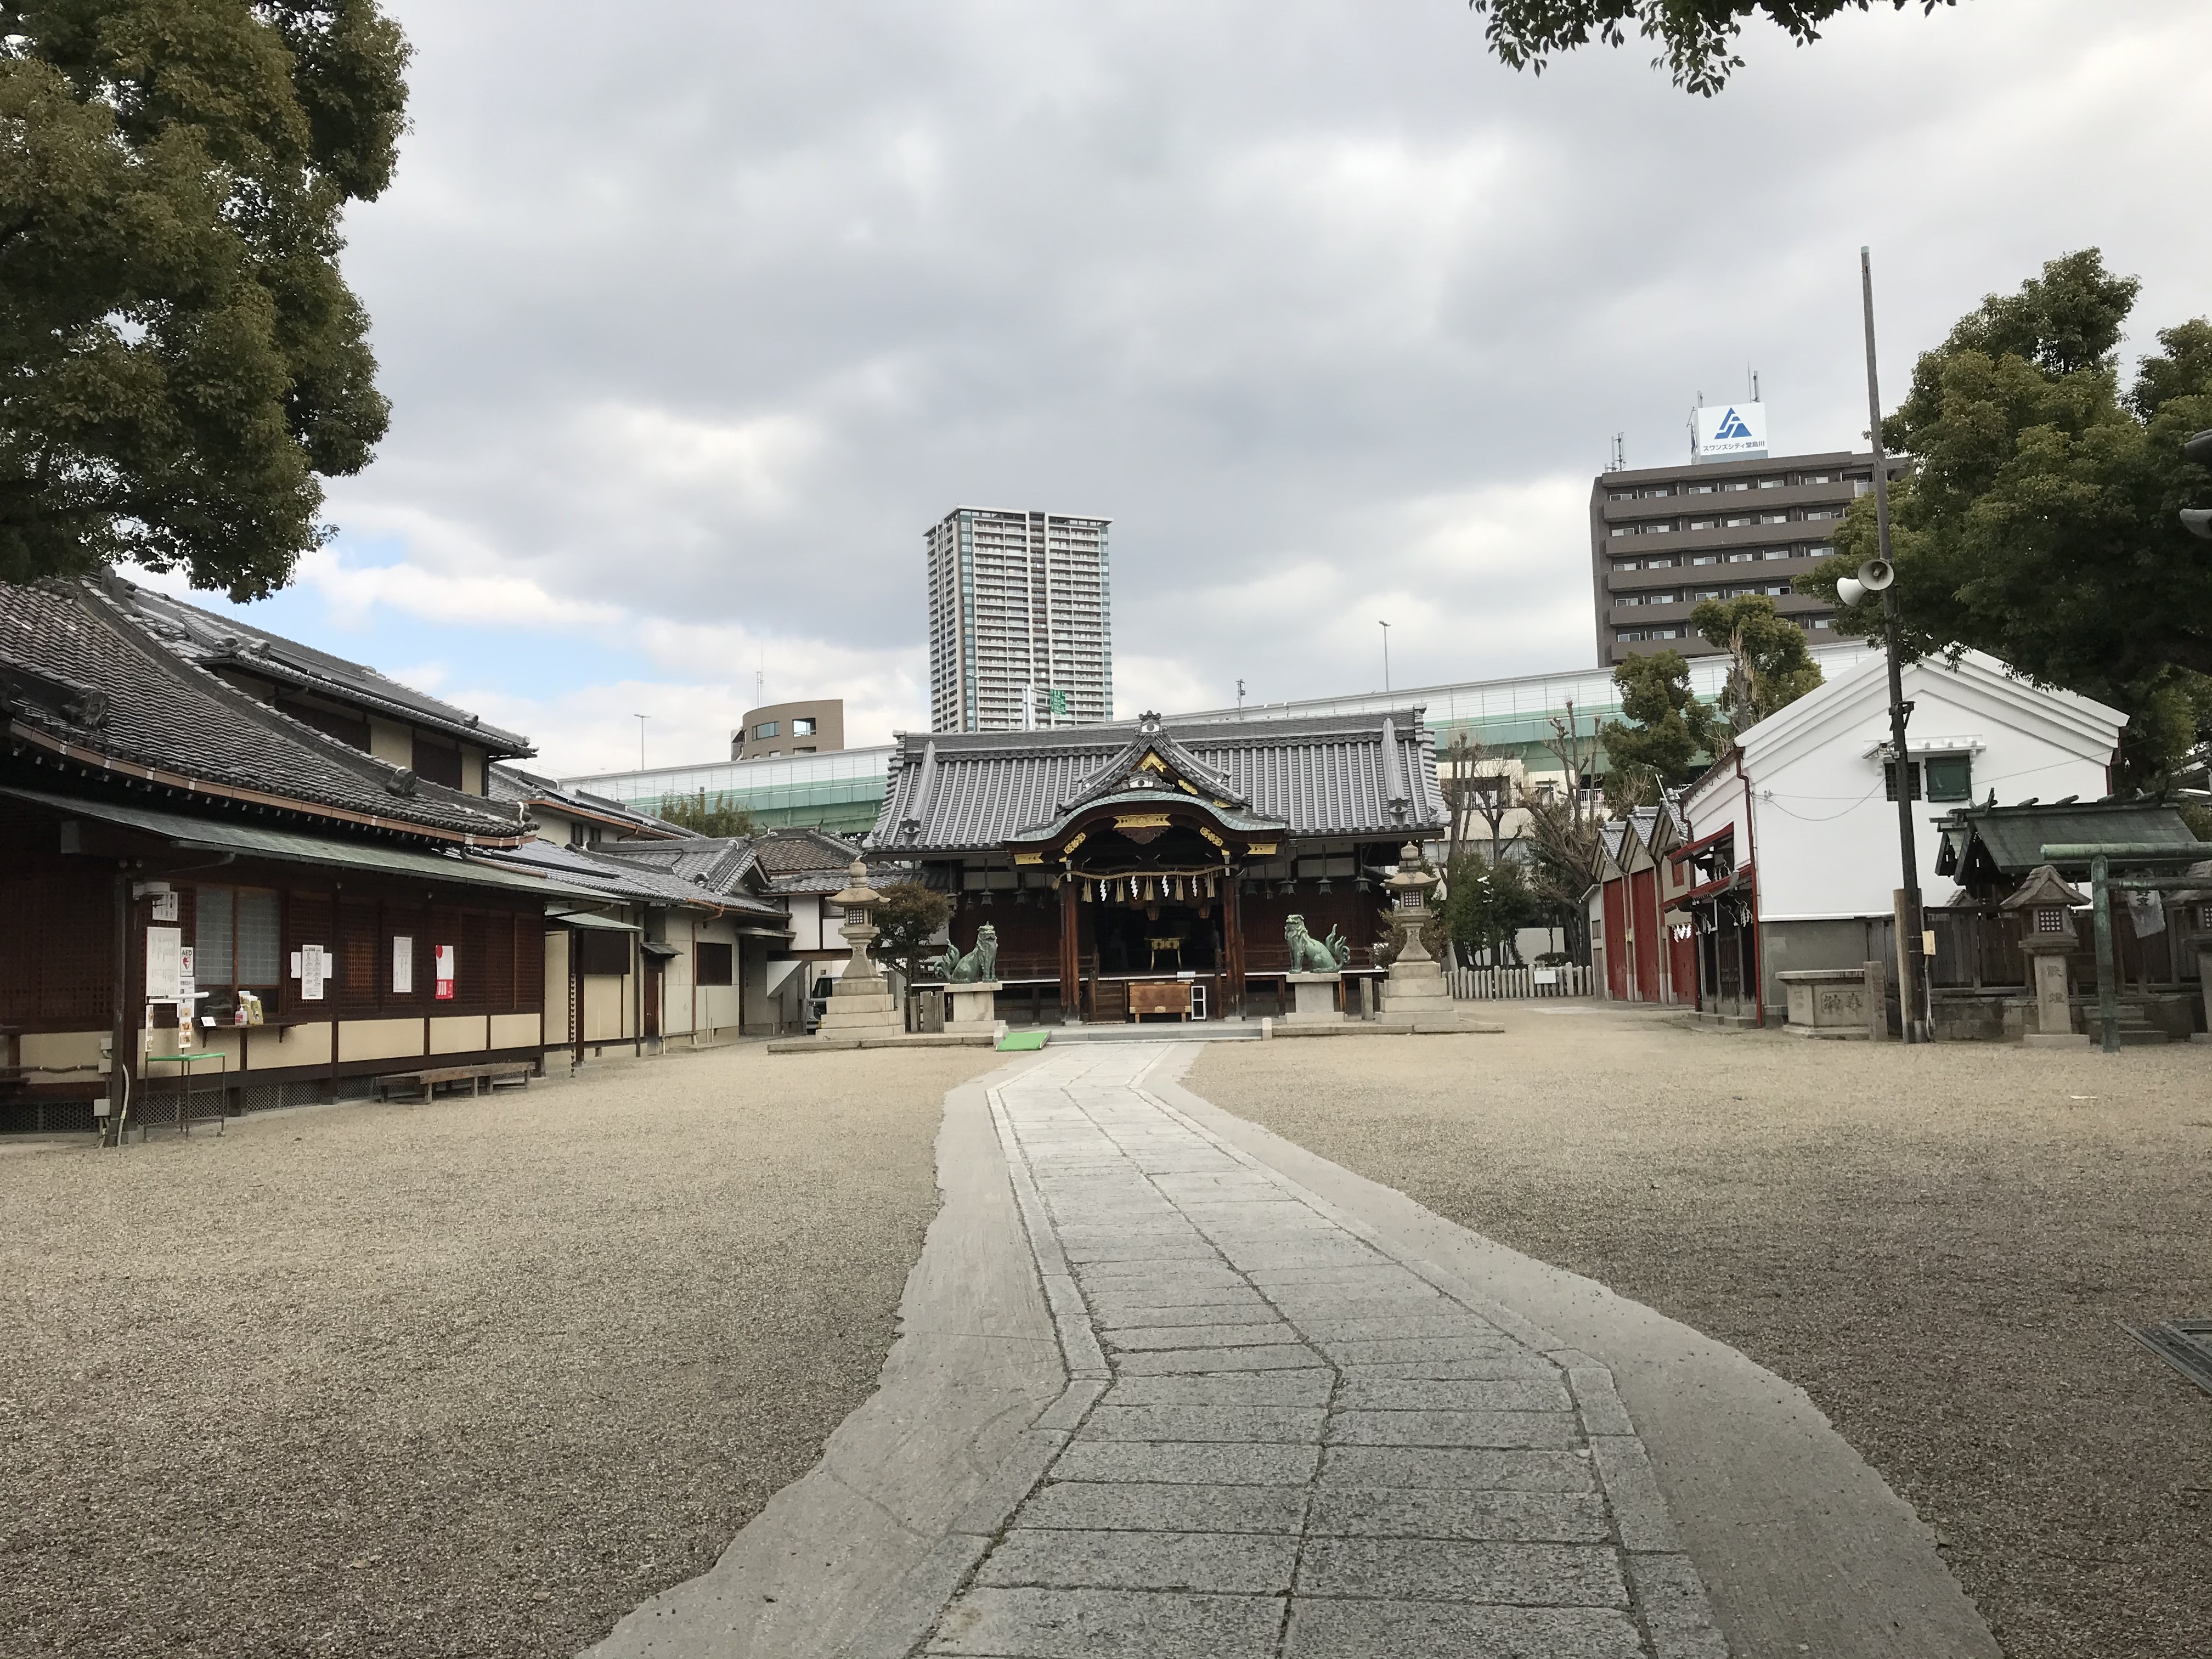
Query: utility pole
[1912, 964]
[1385, 627]
[641, 719]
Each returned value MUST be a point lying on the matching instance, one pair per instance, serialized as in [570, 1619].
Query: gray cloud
[705, 312]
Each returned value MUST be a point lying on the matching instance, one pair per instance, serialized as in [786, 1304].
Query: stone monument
[1416, 988]
[861, 1005]
[2046, 905]
[1316, 972]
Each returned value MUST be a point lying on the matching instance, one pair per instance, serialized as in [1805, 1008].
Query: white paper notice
[295, 964]
[402, 965]
[314, 962]
[165, 907]
[164, 964]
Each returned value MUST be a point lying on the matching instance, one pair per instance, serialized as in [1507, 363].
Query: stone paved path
[1280, 1441]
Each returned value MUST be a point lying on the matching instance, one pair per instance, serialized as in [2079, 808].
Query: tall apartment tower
[1664, 538]
[1020, 621]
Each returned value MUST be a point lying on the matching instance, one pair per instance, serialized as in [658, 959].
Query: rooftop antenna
[1619, 453]
[1240, 700]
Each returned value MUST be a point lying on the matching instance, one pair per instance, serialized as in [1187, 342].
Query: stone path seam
[1335, 1455]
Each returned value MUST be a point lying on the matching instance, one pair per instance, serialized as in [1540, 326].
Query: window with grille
[1911, 779]
[236, 939]
[1950, 777]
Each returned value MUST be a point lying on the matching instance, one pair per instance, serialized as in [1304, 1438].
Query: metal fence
[1501, 984]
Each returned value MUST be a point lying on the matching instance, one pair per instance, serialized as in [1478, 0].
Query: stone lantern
[861, 1005]
[2046, 903]
[1416, 987]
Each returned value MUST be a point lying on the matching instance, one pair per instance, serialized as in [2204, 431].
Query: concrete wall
[1800, 947]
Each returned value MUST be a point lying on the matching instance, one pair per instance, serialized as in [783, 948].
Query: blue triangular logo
[1732, 426]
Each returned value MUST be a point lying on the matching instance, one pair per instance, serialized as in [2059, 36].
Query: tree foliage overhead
[693, 812]
[1667, 732]
[180, 361]
[1697, 38]
[2040, 520]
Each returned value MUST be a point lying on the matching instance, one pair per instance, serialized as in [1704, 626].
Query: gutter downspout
[1751, 858]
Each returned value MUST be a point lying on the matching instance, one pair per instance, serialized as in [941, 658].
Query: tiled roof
[1326, 776]
[623, 881]
[787, 852]
[202, 636]
[75, 668]
[2010, 839]
[527, 789]
[717, 863]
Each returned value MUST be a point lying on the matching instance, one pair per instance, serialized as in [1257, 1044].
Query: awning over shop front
[256, 841]
[587, 919]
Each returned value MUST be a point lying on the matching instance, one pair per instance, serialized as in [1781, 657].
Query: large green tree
[1697, 38]
[1667, 729]
[1770, 661]
[2040, 520]
[180, 361]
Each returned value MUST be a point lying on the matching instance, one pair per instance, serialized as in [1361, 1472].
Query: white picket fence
[1500, 984]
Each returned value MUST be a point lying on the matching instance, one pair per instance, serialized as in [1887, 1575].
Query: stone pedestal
[1827, 1002]
[1314, 999]
[972, 1007]
[2054, 1009]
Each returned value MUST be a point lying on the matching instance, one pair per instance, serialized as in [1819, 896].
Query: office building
[816, 727]
[1020, 621]
[1734, 522]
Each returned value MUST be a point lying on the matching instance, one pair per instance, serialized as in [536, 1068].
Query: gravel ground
[1935, 1243]
[470, 1378]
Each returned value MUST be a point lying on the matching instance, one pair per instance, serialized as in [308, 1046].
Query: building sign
[314, 968]
[164, 964]
[445, 960]
[1731, 431]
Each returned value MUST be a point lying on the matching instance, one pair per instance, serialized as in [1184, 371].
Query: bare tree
[1565, 827]
[1473, 790]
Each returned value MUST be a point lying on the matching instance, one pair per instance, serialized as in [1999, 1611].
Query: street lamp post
[1385, 627]
[1911, 956]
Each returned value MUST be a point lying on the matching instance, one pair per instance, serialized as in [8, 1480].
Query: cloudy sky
[695, 316]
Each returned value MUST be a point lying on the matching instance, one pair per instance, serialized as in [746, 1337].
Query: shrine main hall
[1111, 857]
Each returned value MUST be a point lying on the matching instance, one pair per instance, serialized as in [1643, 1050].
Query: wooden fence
[1501, 984]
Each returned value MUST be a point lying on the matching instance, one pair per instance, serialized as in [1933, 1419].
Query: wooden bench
[510, 1073]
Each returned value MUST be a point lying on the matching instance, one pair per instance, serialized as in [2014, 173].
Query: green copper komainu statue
[1309, 955]
[979, 966]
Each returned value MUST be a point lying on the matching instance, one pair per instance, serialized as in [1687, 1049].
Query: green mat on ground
[1015, 1042]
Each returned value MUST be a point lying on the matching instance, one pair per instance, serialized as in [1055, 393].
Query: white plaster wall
[390, 741]
[381, 1039]
[459, 1034]
[556, 986]
[518, 1031]
[1823, 832]
[606, 1007]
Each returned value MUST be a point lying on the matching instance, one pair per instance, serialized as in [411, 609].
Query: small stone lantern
[862, 1004]
[2046, 903]
[1416, 987]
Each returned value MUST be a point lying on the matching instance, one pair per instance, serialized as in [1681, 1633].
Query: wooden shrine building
[1112, 857]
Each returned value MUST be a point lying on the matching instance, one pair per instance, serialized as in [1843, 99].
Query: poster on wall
[445, 959]
[314, 966]
[188, 987]
[164, 964]
[402, 965]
